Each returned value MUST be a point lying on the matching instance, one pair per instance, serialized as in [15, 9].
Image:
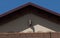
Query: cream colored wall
[21, 25]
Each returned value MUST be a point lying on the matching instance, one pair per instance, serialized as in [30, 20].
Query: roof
[29, 3]
[51, 15]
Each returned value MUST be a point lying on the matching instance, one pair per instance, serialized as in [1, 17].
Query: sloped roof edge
[30, 3]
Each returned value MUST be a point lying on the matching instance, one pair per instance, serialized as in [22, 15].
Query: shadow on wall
[21, 24]
[45, 23]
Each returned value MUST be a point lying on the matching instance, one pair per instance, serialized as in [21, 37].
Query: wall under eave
[21, 25]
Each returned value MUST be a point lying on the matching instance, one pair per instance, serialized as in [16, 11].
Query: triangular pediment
[27, 9]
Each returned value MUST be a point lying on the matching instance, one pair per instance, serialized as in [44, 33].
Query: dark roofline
[29, 3]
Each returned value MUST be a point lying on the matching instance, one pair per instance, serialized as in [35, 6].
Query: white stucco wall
[21, 25]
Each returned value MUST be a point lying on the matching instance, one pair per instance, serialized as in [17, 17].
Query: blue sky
[6, 5]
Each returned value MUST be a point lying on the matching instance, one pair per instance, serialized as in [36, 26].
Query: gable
[18, 18]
